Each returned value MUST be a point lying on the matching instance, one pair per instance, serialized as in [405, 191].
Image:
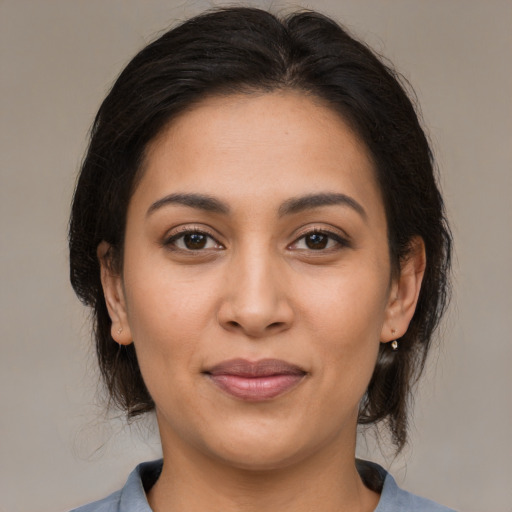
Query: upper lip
[249, 369]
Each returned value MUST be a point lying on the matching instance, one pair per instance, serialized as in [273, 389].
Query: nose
[255, 300]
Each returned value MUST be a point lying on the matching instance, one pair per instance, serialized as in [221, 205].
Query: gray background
[58, 449]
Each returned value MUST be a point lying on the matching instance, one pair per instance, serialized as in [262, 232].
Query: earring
[394, 343]
[120, 330]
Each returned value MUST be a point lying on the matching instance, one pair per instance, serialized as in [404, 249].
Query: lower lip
[256, 389]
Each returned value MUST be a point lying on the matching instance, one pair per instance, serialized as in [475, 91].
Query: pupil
[316, 241]
[195, 241]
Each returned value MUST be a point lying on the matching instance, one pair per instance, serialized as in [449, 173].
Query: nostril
[232, 323]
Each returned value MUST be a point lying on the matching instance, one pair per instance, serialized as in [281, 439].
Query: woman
[258, 230]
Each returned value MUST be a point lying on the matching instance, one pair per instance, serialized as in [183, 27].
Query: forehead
[258, 146]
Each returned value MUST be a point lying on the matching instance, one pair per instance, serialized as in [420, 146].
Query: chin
[261, 457]
[265, 448]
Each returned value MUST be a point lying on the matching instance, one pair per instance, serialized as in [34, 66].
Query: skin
[257, 290]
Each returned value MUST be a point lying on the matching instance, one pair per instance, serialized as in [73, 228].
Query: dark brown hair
[242, 50]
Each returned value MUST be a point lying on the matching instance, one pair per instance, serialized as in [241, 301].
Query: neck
[327, 481]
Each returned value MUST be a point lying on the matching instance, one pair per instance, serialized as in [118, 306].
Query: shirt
[132, 497]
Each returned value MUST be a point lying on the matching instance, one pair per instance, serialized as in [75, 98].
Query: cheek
[166, 325]
[167, 313]
[348, 303]
[159, 296]
[346, 314]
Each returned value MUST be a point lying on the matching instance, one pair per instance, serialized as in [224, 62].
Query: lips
[255, 381]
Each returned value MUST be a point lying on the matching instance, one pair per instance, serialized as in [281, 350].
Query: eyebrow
[198, 201]
[299, 204]
[289, 207]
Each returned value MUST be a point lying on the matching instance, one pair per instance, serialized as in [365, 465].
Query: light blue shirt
[132, 497]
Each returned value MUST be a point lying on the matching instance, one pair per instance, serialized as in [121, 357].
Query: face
[256, 281]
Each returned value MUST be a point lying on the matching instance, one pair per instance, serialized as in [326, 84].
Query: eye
[319, 241]
[192, 240]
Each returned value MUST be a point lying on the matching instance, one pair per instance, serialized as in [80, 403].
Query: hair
[246, 50]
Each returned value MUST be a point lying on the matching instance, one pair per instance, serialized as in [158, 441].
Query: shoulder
[108, 504]
[395, 499]
[132, 497]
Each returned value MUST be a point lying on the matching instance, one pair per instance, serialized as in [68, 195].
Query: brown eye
[192, 241]
[320, 241]
[316, 241]
[195, 241]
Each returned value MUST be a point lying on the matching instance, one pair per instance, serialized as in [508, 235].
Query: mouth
[255, 381]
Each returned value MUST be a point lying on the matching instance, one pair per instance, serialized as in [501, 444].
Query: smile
[255, 381]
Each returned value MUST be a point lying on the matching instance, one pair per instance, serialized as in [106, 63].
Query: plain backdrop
[58, 448]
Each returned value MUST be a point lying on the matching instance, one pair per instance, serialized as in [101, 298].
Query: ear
[404, 293]
[112, 284]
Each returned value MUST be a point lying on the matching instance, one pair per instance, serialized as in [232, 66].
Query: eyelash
[171, 241]
[341, 242]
